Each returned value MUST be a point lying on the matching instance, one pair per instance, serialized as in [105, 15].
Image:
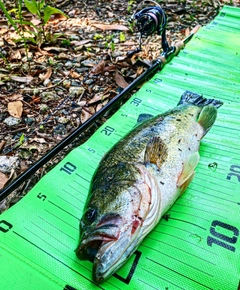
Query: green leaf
[49, 11]
[8, 16]
[31, 6]
[122, 36]
[21, 139]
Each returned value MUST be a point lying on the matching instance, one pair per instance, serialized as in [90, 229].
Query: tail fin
[195, 99]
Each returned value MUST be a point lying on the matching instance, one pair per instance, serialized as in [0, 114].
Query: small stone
[63, 120]
[74, 37]
[43, 107]
[66, 84]
[89, 82]
[11, 121]
[96, 89]
[8, 163]
[48, 96]
[76, 90]
[75, 83]
[69, 64]
[88, 63]
[60, 129]
[29, 121]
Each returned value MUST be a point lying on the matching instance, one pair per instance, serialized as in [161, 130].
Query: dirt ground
[55, 77]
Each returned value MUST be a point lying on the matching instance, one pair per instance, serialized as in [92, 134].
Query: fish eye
[90, 215]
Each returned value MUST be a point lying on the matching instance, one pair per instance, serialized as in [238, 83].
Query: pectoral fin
[207, 117]
[156, 151]
[188, 172]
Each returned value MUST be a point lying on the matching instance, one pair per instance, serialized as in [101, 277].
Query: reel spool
[148, 21]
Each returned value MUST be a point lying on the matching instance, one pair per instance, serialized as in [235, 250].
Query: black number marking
[5, 226]
[124, 115]
[132, 269]
[220, 239]
[157, 81]
[235, 171]
[91, 150]
[136, 102]
[42, 196]
[148, 91]
[69, 168]
[108, 130]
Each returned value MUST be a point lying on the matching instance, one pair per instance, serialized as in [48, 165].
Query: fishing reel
[148, 21]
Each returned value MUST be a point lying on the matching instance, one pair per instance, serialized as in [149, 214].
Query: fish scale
[139, 179]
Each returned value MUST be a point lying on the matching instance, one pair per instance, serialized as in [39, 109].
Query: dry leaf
[53, 48]
[110, 68]
[85, 116]
[96, 98]
[27, 79]
[2, 144]
[81, 42]
[120, 80]
[47, 75]
[74, 74]
[3, 179]
[15, 97]
[111, 27]
[15, 109]
[15, 55]
[99, 107]
[99, 68]
[187, 31]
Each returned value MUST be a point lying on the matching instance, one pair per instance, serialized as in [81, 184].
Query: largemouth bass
[138, 181]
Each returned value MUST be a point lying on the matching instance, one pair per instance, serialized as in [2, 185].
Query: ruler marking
[174, 258]
[74, 195]
[82, 177]
[62, 253]
[72, 188]
[181, 220]
[69, 202]
[63, 209]
[196, 201]
[36, 225]
[147, 283]
[179, 273]
[207, 211]
[57, 228]
[171, 210]
[89, 173]
[193, 189]
[180, 249]
[80, 184]
[215, 177]
[221, 198]
[55, 258]
[61, 220]
[222, 192]
[186, 241]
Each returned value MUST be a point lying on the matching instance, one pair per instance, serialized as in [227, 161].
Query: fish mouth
[92, 242]
[107, 246]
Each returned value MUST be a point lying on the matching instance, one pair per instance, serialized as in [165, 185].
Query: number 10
[220, 239]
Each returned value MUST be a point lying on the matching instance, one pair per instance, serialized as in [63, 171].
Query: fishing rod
[148, 21]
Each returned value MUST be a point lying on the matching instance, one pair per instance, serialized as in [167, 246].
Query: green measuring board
[198, 247]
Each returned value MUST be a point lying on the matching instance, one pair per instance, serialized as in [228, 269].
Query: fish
[138, 181]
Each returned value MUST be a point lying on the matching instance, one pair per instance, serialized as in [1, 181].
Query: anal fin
[188, 172]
